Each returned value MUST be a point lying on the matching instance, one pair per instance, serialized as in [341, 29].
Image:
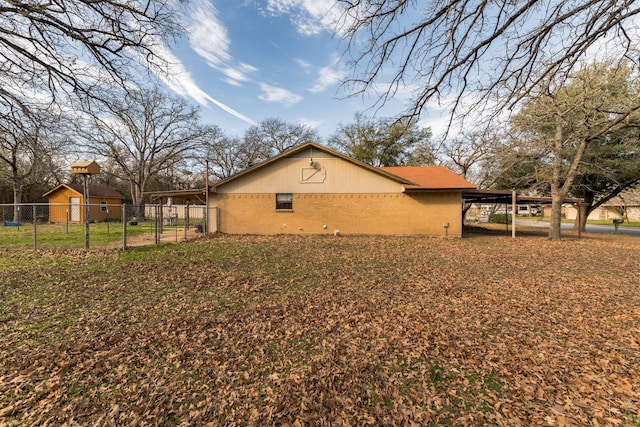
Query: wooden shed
[66, 203]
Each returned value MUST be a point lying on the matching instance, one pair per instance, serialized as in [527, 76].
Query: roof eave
[57, 187]
[424, 189]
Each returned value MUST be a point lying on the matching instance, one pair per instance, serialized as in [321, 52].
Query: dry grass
[236, 330]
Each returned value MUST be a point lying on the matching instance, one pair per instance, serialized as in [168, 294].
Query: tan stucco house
[314, 190]
[66, 203]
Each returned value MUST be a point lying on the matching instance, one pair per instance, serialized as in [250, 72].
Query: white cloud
[208, 37]
[232, 111]
[327, 77]
[310, 16]
[236, 75]
[305, 65]
[177, 78]
[278, 95]
[311, 123]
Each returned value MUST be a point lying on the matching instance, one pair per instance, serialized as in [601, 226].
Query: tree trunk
[557, 198]
[17, 196]
[585, 208]
[560, 189]
[136, 196]
[556, 218]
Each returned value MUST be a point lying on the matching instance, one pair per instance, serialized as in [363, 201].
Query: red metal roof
[429, 177]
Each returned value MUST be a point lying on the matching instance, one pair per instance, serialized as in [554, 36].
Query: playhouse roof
[94, 191]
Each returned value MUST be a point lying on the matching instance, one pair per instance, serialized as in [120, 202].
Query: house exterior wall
[608, 213]
[372, 213]
[633, 213]
[96, 213]
[59, 205]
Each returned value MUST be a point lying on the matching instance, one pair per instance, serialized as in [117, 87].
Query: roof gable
[430, 177]
[312, 145]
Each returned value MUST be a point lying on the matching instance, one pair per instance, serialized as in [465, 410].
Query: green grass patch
[62, 236]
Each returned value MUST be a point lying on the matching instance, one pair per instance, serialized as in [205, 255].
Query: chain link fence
[63, 226]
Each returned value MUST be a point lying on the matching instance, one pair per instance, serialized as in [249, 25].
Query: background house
[66, 203]
[625, 206]
[314, 190]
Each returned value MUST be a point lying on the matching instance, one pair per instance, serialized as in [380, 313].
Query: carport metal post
[157, 225]
[579, 219]
[513, 214]
[35, 229]
[86, 210]
[124, 227]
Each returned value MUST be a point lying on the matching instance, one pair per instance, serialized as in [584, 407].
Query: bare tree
[484, 53]
[143, 134]
[469, 152]
[382, 141]
[228, 156]
[277, 136]
[71, 45]
[27, 143]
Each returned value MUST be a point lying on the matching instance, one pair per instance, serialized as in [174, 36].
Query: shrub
[500, 218]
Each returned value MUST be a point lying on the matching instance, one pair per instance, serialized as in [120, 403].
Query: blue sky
[244, 61]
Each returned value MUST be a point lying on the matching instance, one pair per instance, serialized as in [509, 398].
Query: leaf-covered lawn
[235, 330]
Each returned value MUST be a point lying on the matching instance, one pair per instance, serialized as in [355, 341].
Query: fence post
[205, 222]
[124, 227]
[86, 211]
[157, 231]
[186, 220]
[35, 228]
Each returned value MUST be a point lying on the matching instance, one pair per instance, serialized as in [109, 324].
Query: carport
[511, 197]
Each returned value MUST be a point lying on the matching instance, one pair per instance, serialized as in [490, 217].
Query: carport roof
[196, 193]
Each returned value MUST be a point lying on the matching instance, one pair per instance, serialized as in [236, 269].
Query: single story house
[66, 203]
[311, 189]
[625, 205]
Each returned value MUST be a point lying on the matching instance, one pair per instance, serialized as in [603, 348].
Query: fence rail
[63, 226]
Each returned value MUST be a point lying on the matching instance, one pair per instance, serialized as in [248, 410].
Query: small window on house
[284, 201]
[103, 205]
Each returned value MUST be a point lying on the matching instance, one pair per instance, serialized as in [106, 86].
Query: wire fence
[74, 226]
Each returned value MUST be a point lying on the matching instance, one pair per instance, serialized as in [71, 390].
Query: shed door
[75, 209]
